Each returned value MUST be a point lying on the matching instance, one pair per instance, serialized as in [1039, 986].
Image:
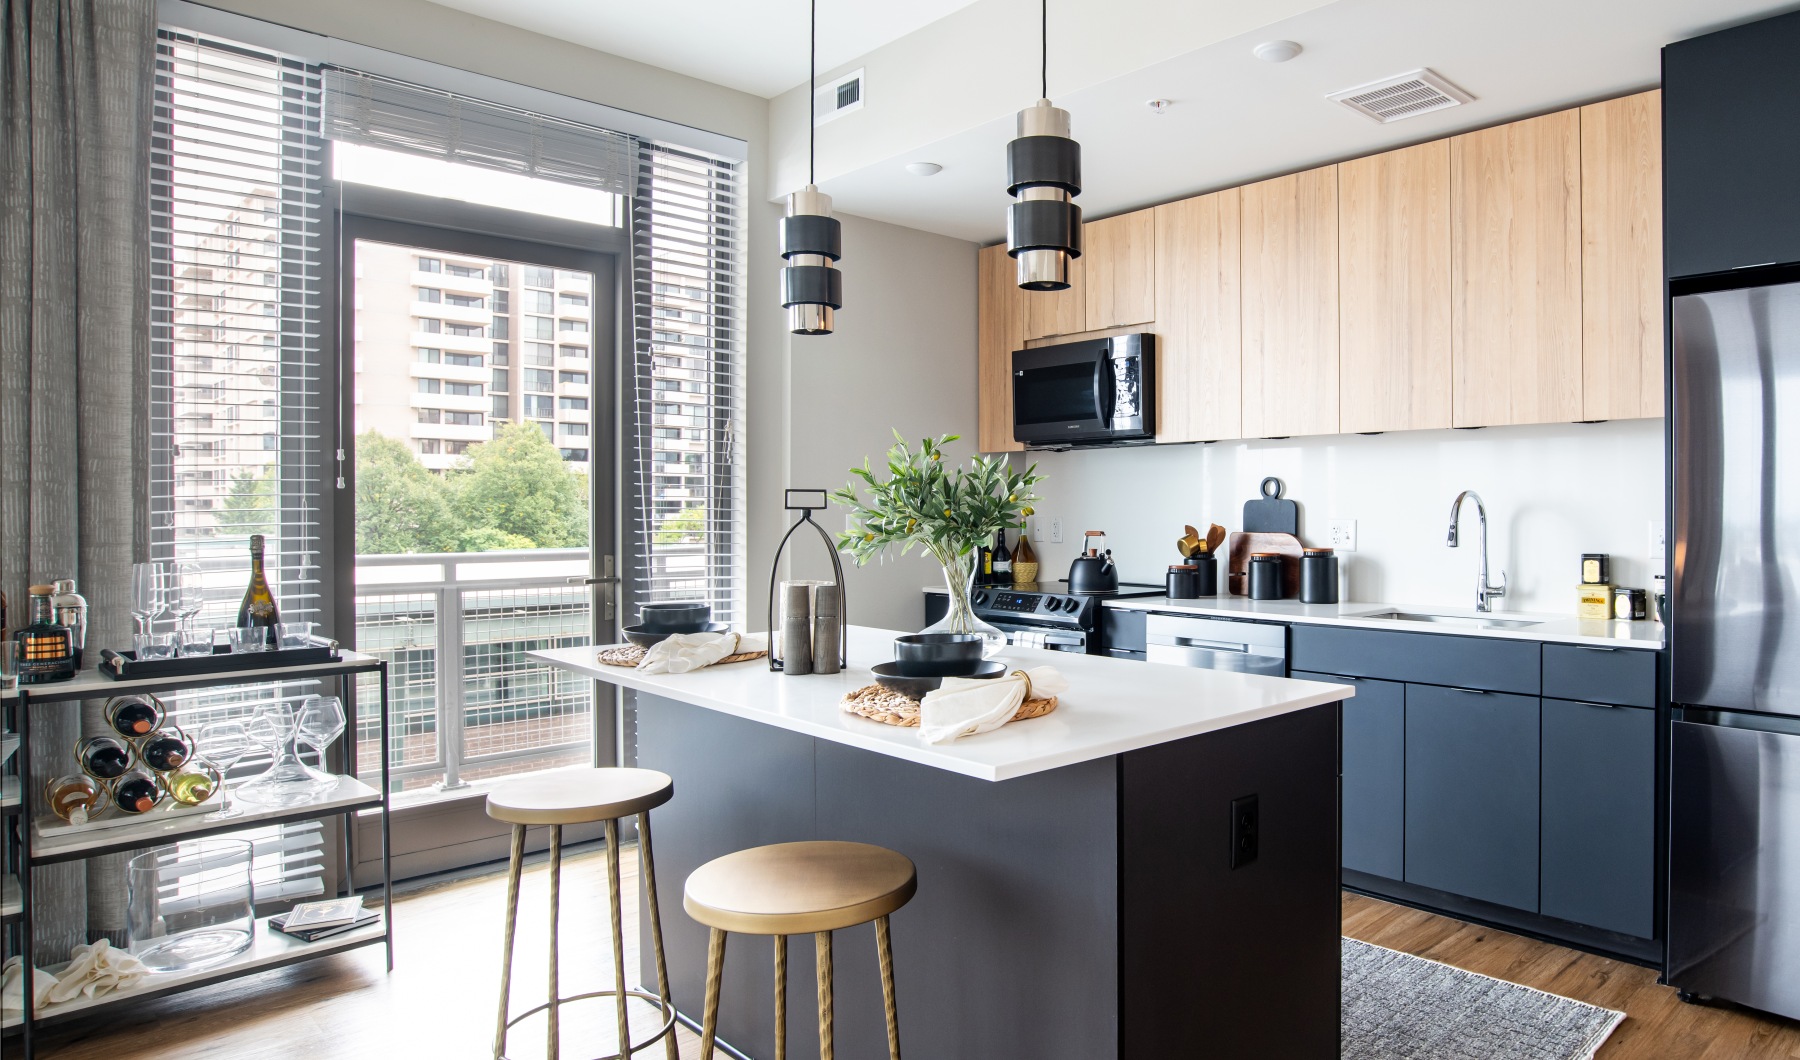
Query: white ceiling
[756, 46]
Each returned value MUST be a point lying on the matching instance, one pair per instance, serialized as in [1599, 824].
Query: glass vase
[190, 905]
[959, 580]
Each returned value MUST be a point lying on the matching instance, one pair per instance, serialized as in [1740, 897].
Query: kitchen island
[1149, 871]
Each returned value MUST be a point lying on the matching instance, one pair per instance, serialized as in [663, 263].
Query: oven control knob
[1071, 605]
[981, 598]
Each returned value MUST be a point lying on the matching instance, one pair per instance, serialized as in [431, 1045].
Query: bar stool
[796, 889]
[583, 796]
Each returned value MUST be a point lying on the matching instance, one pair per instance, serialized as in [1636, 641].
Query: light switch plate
[1658, 543]
[1343, 535]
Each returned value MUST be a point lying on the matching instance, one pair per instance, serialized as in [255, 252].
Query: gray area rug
[1401, 1007]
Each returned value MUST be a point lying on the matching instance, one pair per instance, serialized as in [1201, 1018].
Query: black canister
[1265, 576]
[1318, 577]
[1206, 574]
[1183, 582]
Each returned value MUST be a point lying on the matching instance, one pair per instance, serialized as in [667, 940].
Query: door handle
[592, 581]
[1473, 691]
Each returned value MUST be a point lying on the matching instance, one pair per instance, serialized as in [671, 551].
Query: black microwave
[1093, 392]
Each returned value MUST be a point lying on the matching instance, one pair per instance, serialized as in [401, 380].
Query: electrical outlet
[1658, 543]
[1343, 535]
[1056, 530]
[1244, 826]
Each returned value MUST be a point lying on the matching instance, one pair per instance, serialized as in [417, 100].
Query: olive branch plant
[947, 511]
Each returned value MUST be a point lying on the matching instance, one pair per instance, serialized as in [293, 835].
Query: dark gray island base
[1087, 911]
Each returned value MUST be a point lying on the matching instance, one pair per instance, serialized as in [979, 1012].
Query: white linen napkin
[12, 987]
[962, 706]
[95, 969]
[686, 652]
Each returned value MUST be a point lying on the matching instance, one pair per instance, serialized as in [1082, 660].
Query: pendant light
[811, 239]
[1043, 228]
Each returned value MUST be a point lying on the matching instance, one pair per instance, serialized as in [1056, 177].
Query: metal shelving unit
[27, 848]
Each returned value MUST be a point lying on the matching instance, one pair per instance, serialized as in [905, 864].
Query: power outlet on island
[1343, 535]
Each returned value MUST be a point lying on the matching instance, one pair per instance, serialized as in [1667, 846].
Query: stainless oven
[1093, 392]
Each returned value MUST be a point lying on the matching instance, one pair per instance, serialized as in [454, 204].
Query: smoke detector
[1405, 96]
[1276, 51]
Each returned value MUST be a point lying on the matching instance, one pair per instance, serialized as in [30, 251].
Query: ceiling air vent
[1406, 96]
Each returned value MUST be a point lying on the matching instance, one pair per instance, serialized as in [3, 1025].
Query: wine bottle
[133, 716]
[191, 787]
[1003, 560]
[103, 757]
[1022, 556]
[258, 608]
[74, 798]
[164, 750]
[137, 792]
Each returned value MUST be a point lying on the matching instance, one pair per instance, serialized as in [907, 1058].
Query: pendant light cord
[1045, 38]
[812, 100]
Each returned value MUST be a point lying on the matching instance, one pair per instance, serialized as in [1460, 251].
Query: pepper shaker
[796, 628]
[828, 623]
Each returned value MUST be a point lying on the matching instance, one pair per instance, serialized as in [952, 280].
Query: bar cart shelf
[29, 849]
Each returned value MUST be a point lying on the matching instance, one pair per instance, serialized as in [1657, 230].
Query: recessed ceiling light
[1157, 106]
[1276, 51]
[924, 169]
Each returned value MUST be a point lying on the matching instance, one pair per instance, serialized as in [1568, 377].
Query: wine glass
[149, 594]
[224, 743]
[322, 721]
[187, 595]
[287, 782]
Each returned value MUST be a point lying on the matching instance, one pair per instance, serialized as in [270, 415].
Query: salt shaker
[796, 628]
[828, 625]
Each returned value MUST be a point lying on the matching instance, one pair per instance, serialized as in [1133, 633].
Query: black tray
[124, 665]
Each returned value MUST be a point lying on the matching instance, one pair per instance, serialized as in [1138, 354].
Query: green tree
[518, 484]
[249, 507]
[683, 528]
[400, 505]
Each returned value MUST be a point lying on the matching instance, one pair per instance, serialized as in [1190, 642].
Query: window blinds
[238, 381]
[688, 366]
[381, 112]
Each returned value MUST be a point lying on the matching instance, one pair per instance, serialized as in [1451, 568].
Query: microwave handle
[1103, 388]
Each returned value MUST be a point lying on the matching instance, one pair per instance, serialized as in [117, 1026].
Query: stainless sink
[1472, 621]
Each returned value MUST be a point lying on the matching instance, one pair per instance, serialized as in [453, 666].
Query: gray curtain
[75, 131]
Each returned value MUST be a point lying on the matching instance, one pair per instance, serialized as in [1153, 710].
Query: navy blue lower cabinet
[1374, 771]
[1472, 794]
[1599, 816]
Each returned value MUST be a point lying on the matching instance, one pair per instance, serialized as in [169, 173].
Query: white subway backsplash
[1552, 493]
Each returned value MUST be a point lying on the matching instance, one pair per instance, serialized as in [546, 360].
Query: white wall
[1552, 493]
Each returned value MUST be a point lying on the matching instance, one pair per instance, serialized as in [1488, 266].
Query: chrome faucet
[1483, 591]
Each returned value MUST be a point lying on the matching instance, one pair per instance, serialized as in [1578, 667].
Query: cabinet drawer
[1600, 675]
[1425, 658]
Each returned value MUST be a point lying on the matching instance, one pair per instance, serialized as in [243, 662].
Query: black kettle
[1093, 571]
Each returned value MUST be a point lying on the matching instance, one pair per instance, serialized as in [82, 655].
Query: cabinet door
[1394, 285]
[1599, 816]
[1200, 340]
[999, 332]
[1050, 313]
[1515, 193]
[1472, 794]
[1118, 270]
[1290, 292]
[1374, 774]
[1621, 258]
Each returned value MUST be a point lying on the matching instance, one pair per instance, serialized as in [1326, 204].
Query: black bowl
[890, 675]
[676, 618]
[939, 654]
[644, 638]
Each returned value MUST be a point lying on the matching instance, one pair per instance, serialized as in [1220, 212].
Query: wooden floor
[439, 1001]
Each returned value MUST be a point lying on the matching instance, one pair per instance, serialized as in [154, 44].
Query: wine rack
[26, 847]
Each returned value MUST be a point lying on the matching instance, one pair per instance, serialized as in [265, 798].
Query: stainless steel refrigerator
[1734, 814]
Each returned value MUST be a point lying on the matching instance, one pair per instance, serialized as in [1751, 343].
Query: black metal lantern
[1043, 166]
[812, 289]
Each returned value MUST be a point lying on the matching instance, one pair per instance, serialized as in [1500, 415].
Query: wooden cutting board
[1237, 565]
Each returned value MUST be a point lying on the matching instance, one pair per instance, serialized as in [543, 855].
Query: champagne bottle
[1003, 560]
[258, 608]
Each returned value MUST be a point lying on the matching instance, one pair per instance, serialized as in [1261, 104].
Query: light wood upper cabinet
[1199, 333]
[1289, 258]
[1515, 195]
[1048, 313]
[1394, 290]
[1118, 270]
[999, 331]
[1621, 258]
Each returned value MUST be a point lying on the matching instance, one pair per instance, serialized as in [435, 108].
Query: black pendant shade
[1043, 175]
[812, 241]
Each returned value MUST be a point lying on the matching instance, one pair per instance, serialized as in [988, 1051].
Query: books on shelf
[311, 921]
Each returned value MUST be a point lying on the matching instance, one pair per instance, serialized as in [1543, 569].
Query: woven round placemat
[891, 708]
[631, 655]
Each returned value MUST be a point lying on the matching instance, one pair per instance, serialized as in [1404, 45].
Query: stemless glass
[190, 905]
[224, 743]
[322, 721]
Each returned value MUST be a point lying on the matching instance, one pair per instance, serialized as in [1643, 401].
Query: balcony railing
[466, 703]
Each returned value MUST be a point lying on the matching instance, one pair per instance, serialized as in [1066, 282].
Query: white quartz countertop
[1112, 706]
[1557, 629]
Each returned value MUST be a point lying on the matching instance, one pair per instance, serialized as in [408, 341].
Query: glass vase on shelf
[959, 580]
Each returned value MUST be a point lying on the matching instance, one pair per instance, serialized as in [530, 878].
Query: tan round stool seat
[579, 796]
[799, 888]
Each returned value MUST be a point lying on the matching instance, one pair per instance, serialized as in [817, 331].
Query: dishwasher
[1217, 644]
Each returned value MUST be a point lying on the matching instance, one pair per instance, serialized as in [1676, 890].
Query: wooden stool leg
[885, 947]
[647, 864]
[781, 997]
[715, 968]
[555, 1041]
[618, 937]
[823, 941]
[512, 922]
